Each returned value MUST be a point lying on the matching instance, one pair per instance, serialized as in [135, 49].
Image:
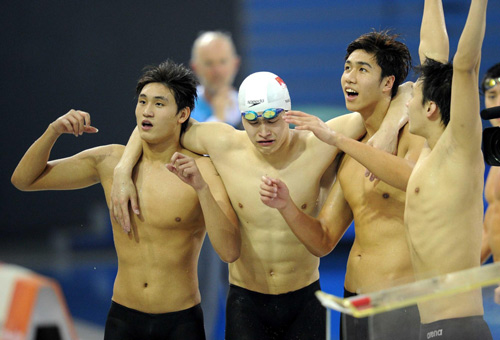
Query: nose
[148, 112]
[264, 130]
[350, 76]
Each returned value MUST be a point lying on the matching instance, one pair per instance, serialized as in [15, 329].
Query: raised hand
[305, 121]
[274, 193]
[75, 122]
[186, 169]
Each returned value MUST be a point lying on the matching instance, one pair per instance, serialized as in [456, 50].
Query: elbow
[232, 255]
[464, 63]
[18, 182]
[233, 252]
[322, 250]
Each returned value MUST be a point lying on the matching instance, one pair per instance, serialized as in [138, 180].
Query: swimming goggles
[267, 114]
[490, 83]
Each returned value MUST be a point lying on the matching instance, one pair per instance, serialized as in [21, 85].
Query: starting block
[32, 307]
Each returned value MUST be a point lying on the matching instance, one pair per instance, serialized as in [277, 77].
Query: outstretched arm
[319, 235]
[465, 122]
[433, 35]
[36, 172]
[220, 219]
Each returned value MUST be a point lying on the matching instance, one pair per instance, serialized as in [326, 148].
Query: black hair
[436, 85]
[391, 55]
[177, 78]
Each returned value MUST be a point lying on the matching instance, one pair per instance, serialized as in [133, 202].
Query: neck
[433, 134]
[374, 116]
[160, 152]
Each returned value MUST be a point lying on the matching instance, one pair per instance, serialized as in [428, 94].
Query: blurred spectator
[215, 62]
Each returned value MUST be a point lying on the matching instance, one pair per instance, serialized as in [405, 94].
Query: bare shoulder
[106, 157]
[344, 121]
[108, 153]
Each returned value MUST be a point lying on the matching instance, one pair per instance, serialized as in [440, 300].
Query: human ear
[183, 115]
[389, 83]
[432, 111]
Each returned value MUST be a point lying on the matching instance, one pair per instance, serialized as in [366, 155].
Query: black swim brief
[472, 327]
[400, 324]
[129, 324]
[294, 315]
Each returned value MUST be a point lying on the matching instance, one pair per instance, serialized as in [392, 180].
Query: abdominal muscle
[272, 260]
[372, 266]
[157, 276]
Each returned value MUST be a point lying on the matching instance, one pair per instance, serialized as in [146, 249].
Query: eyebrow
[360, 63]
[156, 97]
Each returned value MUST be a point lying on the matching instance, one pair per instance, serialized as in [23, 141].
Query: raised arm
[220, 219]
[433, 35]
[319, 235]
[36, 172]
[465, 122]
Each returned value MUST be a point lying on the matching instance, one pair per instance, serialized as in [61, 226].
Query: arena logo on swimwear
[435, 333]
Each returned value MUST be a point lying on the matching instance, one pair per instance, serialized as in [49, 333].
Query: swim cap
[263, 90]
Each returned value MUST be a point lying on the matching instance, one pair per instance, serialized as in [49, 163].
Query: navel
[417, 190]
[385, 195]
[240, 205]
[303, 206]
[177, 219]
[145, 285]
[271, 273]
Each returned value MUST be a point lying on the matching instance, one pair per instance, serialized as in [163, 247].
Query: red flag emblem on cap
[279, 80]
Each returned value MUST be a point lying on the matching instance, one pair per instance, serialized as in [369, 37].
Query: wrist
[52, 131]
[288, 208]
[202, 189]
[122, 170]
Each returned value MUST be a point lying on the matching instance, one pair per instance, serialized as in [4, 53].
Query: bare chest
[165, 201]
[361, 193]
